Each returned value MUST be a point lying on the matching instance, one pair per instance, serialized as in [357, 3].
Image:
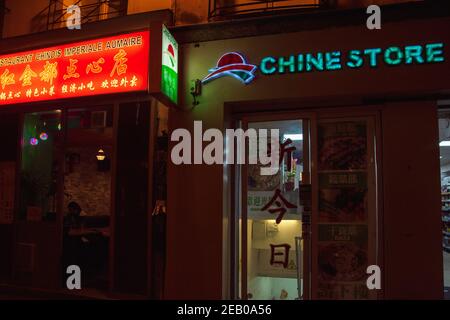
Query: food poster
[343, 259]
[342, 146]
[343, 210]
[343, 197]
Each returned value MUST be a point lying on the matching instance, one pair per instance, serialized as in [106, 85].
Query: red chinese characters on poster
[100, 66]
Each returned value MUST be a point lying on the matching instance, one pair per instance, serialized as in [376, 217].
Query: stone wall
[84, 184]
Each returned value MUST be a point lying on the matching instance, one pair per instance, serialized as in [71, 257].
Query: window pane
[274, 219]
[42, 137]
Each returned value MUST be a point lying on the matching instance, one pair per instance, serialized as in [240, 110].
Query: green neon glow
[393, 56]
[337, 60]
[267, 65]
[169, 66]
[282, 64]
[355, 59]
[413, 53]
[435, 52]
[333, 60]
[372, 53]
[317, 62]
[301, 63]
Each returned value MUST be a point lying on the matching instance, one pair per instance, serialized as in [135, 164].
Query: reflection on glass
[274, 219]
[39, 168]
[87, 193]
[444, 150]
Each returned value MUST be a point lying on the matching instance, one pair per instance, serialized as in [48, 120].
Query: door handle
[298, 248]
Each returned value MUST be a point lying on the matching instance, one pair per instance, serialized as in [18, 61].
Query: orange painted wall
[138, 6]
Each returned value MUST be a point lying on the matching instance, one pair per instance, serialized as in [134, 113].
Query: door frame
[314, 114]
[242, 253]
[60, 154]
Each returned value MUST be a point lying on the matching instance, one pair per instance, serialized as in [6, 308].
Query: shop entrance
[87, 196]
[65, 197]
[309, 231]
[89, 150]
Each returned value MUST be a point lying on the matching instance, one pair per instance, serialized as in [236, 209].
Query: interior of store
[87, 183]
[274, 249]
[84, 150]
[444, 150]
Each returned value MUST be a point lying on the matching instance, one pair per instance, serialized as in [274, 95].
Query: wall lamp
[196, 90]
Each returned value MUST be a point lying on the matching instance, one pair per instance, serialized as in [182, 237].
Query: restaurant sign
[108, 65]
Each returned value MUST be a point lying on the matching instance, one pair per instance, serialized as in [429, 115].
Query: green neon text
[354, 59]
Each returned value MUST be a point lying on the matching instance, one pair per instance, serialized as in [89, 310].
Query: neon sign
[101, 66]
[232, 64]
[353, 59]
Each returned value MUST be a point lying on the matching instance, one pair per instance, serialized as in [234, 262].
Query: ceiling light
[298, 137]
[445, 143]
[101, 155]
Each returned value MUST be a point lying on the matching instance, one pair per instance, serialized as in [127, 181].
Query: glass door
[309, 231]
[273, 228]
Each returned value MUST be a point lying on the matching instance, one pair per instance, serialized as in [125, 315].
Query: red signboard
[101, 66]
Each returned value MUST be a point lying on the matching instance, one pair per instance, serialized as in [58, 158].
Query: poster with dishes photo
[342, 145]
[342, 261]
[343, 210]
[343, 197]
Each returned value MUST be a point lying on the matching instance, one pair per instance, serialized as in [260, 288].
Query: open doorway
[87, 194]
[310, 230]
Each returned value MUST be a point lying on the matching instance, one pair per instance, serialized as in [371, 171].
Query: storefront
[359, 180]
[84, 123]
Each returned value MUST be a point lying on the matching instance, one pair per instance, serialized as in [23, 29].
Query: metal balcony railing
[240, 8]
[55, 16]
